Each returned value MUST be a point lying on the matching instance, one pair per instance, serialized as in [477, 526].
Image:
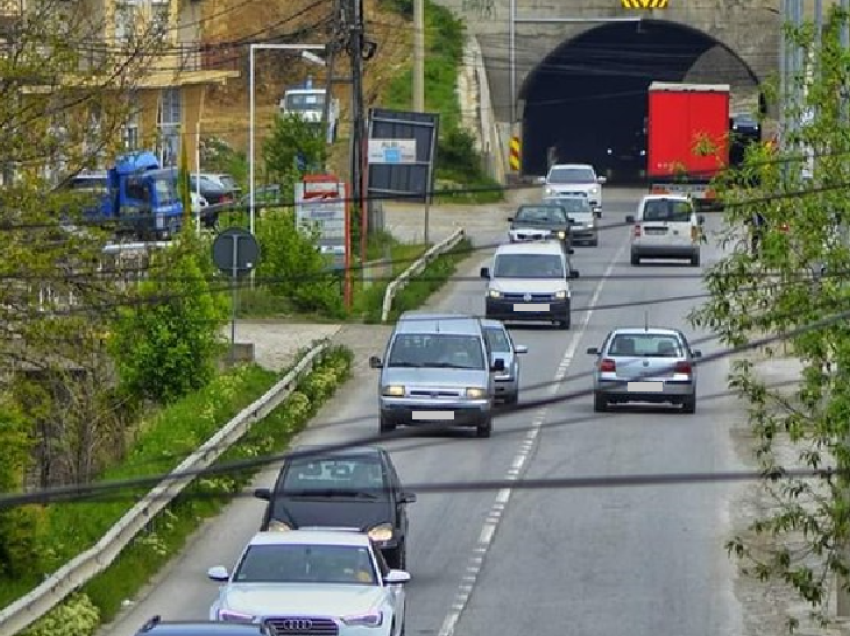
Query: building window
[125, 20]
[131, 128]
[160, 12]
[168, 121]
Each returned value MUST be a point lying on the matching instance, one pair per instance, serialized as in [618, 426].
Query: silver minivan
[437, 370]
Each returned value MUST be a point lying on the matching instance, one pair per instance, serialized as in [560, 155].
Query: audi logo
[295, 624]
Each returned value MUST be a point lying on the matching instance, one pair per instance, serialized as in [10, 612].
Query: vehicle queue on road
[330, 556]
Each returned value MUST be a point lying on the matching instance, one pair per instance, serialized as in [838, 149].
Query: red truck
[687, 137]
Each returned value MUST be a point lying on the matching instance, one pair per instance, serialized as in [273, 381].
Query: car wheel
[695, 260]
[566, 323]
[485, 428]
[600, 403]
[635, 259]
[689, 404]
[386, 425]
[512, 398]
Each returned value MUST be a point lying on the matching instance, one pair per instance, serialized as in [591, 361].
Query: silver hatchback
[649, 364]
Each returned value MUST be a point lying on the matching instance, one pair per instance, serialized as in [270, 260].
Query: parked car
[649, 364]
[312, 583]
[356, 488]
[502, 347]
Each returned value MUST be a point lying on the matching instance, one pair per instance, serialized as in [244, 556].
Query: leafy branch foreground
[99, 601]
[801, 540]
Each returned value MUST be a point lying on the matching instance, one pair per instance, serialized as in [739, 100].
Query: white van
[666, 226]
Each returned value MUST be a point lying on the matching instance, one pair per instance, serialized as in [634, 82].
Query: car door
[514, 357]
[395, 594]
[397, 493]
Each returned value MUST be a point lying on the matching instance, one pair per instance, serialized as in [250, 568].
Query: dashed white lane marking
[518, 464]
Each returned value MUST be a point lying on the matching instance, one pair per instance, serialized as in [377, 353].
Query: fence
[404, 278]
[27, 609]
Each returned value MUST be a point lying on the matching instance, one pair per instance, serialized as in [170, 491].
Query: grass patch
[419, 289]
[168, 532]
[369, 301]
[459, 165]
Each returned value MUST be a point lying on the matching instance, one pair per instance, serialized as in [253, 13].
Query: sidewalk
[767, 606]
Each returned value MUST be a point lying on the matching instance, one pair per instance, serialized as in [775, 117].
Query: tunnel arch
[587, 97]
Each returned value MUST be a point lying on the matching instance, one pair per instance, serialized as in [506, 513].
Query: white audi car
[312, 583]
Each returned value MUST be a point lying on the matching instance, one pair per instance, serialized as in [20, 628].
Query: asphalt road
[608, 562]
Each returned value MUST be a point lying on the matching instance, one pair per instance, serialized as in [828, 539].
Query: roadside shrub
[166, 345]
[76, 616]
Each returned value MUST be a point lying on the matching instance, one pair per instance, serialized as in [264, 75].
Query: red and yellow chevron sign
[644, 4]
[514, 154]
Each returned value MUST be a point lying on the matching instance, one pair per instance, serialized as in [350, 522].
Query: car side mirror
[696, 354]
[218, 573]
[375, 362]
[601, 180]
[598, 213]
[498, 365]
[570, 250]
[263, 493]
[701, 219]
[630, 219]
[407, 498]
[510, 219]
[485, 273]
[593, 351]
[520, 349]
[396, 577]
[574, 273]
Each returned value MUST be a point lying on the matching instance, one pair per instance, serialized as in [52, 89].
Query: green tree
[166, 345]
[780, 290]
[293, 148]
[185, 188]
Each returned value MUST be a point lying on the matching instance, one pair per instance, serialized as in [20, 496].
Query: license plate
[531, 307]
[656, 232]
[433, 415]
[645, 387]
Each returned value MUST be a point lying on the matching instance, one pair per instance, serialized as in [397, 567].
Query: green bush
[77, 616]
[166, 345]
[206, 496]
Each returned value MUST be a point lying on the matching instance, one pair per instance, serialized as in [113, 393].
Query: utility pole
[354, 22]
[419, 55]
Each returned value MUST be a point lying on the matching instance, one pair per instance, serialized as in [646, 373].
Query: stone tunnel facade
[745, 30]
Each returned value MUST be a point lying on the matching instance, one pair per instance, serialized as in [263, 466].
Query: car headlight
[279, 526]
[382, 532]
[393, 390]
[562, 235]
[494, 293]
[475, 393]
[594, 190]
[371, 619]
[562, 294]
[234, 617]
[550, 191]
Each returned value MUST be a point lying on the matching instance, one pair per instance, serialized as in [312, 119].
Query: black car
[157, 627]
[356, 488]
[541, 222]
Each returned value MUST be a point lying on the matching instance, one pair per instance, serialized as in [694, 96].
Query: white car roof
[311, 537]
[669, 197]
[636, 331]
[548, 247]
[572, 165]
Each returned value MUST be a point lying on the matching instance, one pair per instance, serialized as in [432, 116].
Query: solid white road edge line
[494, 517]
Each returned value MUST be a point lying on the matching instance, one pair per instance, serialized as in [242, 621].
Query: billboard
[321, 201]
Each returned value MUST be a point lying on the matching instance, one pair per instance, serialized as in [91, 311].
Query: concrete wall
[749, 28]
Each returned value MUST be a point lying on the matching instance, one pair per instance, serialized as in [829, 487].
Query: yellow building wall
[193, 110]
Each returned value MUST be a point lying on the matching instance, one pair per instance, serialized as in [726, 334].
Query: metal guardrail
[404, 278]
[84, 567]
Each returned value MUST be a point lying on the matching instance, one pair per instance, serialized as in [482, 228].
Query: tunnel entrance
[588, 98]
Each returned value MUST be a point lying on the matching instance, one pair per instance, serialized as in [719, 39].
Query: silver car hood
[529, 285]
[301, 599]
[453, 378]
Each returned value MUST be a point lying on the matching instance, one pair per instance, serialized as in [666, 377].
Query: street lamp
[305, 48]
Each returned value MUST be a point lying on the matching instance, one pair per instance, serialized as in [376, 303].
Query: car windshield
[667, 210]
[436, 350]
[574, 205]
[306, 564]
[325, 476]
[541, 215]
[571, 175]
[497, 339]
[528, 266]
[646, 345]
[305, 101]
[166, 192]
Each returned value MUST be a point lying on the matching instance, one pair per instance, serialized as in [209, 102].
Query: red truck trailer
[687, 137]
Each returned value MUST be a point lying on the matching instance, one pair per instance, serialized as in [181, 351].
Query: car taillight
[607, 366]
[226, 198]
[637, 230]
[683, 367]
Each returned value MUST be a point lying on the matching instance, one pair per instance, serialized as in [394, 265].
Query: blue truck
[136, 196]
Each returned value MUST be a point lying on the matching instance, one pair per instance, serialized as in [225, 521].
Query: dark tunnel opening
[588, 98]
